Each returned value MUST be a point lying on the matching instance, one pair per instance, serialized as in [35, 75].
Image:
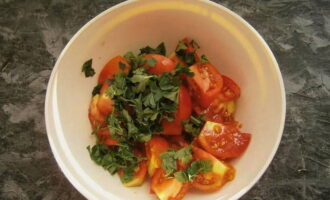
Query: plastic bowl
[229, 42]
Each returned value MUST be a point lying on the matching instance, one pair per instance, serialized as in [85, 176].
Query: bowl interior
[229, 43]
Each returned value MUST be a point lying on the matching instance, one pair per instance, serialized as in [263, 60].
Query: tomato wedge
[206, 84]
[139, 175]
[218, 111]
[220, 174]
[230, 90]
[223, 141]
[167, 188]
[154, 147]
[163, 64]
[113, 67]
[104, 103]
[105, 138]
[95, 116]
[184, 111]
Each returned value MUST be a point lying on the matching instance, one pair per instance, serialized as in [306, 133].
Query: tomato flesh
[154, 147]
[112, 67]
[230, 91]
[163, 64]
[220, 174]
[167, 188]
[206, 84]
[183, 112]
[95, 116]
[223, 141]
[218, 111]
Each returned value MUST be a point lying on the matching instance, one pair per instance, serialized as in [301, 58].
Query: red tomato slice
[105, 138]
[218, 111]
[206, 84]
[230, 90]
[163, 64]
[95, 116]
[139, 175]
[223, 141]
[112, 67]
[154, 148]
[220, 174]
[183, 113]
[104, 103]
[167, 188]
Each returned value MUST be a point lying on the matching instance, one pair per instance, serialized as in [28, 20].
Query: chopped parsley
[149, 97]
[114, 159]
[194, 125]
[160, 49]
[204, 59]
[196, 167]
[87, 68]
[187, 56]
[96, 89]
[185, 156]
[169, 158]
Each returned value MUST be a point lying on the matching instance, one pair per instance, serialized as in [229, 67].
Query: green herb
[117, 158]
[204, 59]
[194, 125]
[160, 49]
[87, 68]
[97, 89]
[169, 158]
[196, 167]
[122, 65]
[151, 62]
[150, 97]
[183, 54]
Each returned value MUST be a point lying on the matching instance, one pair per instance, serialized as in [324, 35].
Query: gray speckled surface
[33, 33]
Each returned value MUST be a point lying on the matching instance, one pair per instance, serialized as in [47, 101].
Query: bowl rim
[49, 92]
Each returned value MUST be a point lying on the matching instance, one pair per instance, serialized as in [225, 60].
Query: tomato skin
[104, 103]
[112, 67]
[223, 141]
[206, 84]
[163, 65]
[230, 90]
[167, 188]
[105, 138]
[139, 175]
[154, 147]
[95, 116]
[220, 174]
[183, 112]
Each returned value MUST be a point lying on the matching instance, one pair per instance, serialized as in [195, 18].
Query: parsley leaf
[151, 62]
[169, 158]
[96, 89]
[114, 159]
[122, 65]
[182, 52]
[194, 125]
[87, 68]
[196, 167]
[204, 59]
[160, 49]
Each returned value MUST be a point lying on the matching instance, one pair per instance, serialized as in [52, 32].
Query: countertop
[33, 33]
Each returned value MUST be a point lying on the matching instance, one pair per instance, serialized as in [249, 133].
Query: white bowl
[228, 41]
